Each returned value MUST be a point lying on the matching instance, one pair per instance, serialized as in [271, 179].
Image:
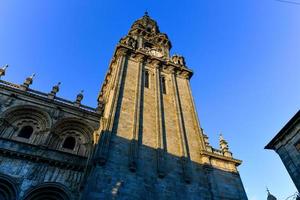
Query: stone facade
[287, 144]
[143, 141]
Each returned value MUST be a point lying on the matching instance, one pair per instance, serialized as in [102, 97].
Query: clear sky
[245, 55]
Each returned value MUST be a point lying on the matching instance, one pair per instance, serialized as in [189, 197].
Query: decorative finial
[79, 98]
[146, 13]
[27, 82]
[224, 146]
[221, 137]
[54, 90]
[32, 76]
[2, 71]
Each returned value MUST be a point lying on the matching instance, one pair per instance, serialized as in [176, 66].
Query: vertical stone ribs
[105, 135]
[185, 158]
[133, 149]
[159, 123]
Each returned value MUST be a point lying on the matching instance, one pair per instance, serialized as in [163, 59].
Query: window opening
[69, 143]
[146, 79]
[26, 132]
[163, 85]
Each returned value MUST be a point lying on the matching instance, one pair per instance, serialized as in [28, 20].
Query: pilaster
[159, 121]
[133, 150]
[185, 157]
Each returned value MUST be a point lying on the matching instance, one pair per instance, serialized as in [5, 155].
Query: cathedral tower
[150, 144]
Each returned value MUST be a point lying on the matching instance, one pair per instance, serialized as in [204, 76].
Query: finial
[221, 137]
[79, 98]
[32, 76]
[5, 67]
[2, 71]
[146, 13]
[224, 146]
[27, 82]
[54, 90]
[268, 191]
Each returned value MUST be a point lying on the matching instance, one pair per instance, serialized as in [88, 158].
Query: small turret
[27, 82]
[2, 70]
[206, 141]
[79, 98]
[224, 146]
[54, 90]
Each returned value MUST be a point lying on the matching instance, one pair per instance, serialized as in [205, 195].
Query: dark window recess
[148, 45]
[26, 132]
[69, 143]
[297, 145]
[163, 85]
[146, 79]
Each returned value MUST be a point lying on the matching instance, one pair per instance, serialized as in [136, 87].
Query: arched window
[49, 191]
[146, 79]
[69, 143]
[163, 85]
[26, 132]
[8, 190]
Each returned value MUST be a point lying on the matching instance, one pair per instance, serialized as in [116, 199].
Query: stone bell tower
[150, 144]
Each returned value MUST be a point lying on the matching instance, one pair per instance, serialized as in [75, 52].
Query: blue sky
[245, 55]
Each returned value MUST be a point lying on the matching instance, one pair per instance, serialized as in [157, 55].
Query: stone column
[185, 158]
[105, 135]
[133, 150]
[159, 121]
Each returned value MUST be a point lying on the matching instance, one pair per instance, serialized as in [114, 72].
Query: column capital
[155, 63]
[141, 58]
[122, 52]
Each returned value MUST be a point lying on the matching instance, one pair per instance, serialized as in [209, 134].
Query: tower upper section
[144, 35]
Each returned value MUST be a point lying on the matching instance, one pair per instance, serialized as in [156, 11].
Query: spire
[79, 98]
[54, 90]
[27, 82]
[224, 146]
[146, 13]
[2, 70]
[144, 35]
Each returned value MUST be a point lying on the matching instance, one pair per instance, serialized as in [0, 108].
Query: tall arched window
[69, 143]
[26, 132]
[163, 85]
[146, 79]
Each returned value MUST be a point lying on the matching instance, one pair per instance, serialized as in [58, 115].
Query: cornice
[219, 157]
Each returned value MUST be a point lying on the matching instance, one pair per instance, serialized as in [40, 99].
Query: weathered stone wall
[171, 122]
[151, 163]
[290, 155]
[115, 181]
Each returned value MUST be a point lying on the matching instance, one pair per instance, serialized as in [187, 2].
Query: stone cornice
[68, 161]
[183, 71]
[219, 157]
